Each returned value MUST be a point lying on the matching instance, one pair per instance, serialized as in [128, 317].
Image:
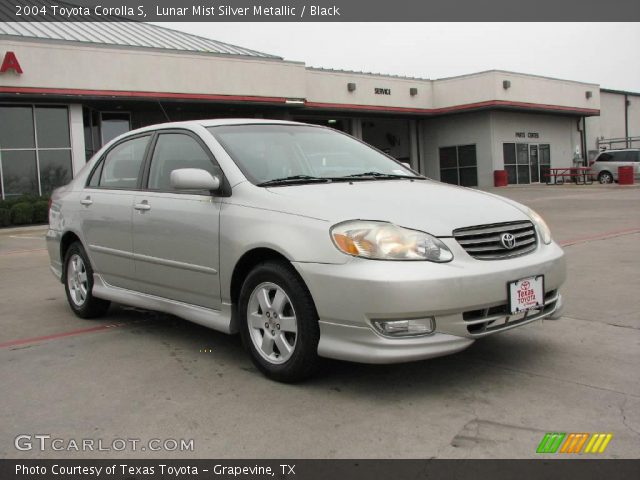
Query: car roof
[216, 123]
[621, 150]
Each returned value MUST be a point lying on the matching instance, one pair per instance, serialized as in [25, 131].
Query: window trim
[103, 157]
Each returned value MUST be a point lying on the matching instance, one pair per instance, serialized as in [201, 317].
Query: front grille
[494, 319]
[484, 242]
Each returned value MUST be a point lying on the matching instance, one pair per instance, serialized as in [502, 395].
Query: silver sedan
[306, 241]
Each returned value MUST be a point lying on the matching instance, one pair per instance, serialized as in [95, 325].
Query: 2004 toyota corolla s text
[305, 240]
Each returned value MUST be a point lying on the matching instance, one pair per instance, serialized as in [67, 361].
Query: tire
[78, 284]
[605, 177]
[279, 323]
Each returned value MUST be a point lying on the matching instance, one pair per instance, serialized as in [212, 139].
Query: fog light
[405, 328]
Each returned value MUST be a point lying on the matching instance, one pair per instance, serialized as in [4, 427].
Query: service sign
[526, 294]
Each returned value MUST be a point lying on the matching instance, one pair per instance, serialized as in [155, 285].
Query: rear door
[618, 159]
[106, 210]
[176, 233]
[634, 157]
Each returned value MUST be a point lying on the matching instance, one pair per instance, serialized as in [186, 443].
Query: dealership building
[68, 88]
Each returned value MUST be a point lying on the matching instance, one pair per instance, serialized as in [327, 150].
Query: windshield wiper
[293, 179]
[380, 175]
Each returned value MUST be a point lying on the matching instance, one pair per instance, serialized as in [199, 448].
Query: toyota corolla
[303, 239]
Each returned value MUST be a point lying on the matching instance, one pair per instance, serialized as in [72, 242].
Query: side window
[618, 156]
[173, 151]
[604, 157]
[631, 156]
[121, 167]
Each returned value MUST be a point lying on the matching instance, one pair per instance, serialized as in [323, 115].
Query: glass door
[545, 160]
[522, 156]
[533, 163]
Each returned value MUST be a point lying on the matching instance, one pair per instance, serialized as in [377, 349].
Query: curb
[27, 229]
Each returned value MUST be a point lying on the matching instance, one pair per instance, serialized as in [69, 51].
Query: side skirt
[215, 319]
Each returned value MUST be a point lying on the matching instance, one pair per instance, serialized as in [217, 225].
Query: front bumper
[467, 298]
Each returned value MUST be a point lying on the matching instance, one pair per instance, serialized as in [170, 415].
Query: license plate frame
[521, 302]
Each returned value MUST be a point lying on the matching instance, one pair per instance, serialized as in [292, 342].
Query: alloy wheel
[606, 178]
[272, 322]
[77, 280]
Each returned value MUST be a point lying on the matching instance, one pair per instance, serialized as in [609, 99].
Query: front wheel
[605, 177]
[78, 284]
[279, 323]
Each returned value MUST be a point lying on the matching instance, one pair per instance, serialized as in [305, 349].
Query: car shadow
[476, 367]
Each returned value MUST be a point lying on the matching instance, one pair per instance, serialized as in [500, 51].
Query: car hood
[425, 205]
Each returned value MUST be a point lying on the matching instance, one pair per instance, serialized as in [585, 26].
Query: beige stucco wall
[486, 86]
[58, 65]
[489, 130]
[611, 122]
[49, 64]
[560, 132]
[331, 87]
[454, 130]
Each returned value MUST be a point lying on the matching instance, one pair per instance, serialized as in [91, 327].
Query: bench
[579, 175]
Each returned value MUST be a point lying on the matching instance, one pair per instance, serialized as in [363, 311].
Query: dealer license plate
[526, 294]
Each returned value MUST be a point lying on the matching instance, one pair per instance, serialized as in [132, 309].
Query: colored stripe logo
[561, 442]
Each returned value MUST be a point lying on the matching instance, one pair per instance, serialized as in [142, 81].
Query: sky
[602, 53]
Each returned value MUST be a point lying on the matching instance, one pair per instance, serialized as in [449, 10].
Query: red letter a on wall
[10, 62]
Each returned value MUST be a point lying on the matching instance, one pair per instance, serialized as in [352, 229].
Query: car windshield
[271, 154]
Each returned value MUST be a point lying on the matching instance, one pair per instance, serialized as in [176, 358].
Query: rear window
[121, 167]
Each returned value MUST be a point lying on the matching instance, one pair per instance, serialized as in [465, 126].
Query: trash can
[500, 178]
[625, 175]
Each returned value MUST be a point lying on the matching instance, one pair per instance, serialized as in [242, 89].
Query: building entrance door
[526, 162]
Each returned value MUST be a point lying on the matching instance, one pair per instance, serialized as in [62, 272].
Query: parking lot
[141, 375]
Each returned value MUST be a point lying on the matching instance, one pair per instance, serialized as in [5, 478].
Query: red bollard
[500, 178]
[625, 175]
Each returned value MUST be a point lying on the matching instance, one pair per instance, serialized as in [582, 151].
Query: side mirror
[193, 179]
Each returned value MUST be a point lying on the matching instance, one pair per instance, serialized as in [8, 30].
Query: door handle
[86, 201]
[142, 207]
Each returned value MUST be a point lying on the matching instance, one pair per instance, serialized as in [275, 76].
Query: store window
[459, 165]
[35, 149]
[113, 125]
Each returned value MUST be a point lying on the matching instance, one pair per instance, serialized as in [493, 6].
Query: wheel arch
[246, 263]
[67, 239]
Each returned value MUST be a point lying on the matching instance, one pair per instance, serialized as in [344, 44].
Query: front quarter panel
[299, 239]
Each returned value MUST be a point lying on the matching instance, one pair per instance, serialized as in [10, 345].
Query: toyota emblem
[508, 241]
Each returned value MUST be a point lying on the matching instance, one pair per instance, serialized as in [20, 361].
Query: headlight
[541, 225]
[386, 241]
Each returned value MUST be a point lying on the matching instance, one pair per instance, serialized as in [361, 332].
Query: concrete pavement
[145, 375]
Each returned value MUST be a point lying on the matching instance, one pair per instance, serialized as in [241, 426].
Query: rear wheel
[279, 323]
[78, 284]
[605, 177]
